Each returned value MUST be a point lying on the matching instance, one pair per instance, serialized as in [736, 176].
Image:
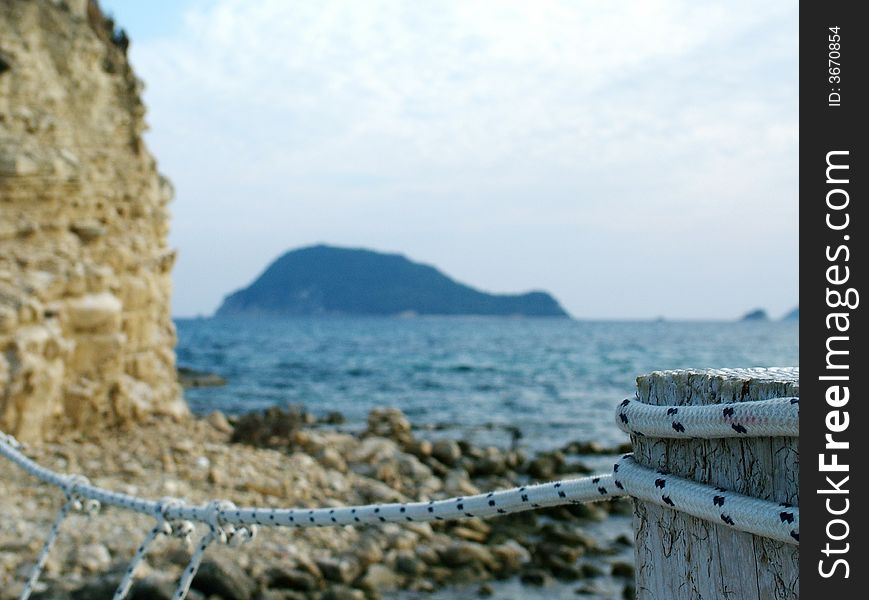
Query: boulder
[222, 576]
[447, 452]
[292, 579]
[390, 423]
[380, 578]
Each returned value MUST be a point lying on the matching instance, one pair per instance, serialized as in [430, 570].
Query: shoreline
[287, 458]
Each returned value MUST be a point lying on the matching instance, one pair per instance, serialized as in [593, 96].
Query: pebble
[511, 556]
[467, 553]
[222, 576]
[406, 562]
[342, 592]
[219, 421]
[291, 578]
[622, 569]
[447, 452]
[380, 578]
[339, 570]
[94, 558]
[536, 577]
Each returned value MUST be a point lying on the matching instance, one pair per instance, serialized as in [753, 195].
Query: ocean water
[554, 380]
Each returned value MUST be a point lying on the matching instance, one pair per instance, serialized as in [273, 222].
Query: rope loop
[213, 517]
[178, 528]
[78, 501]
[10, 440]
[243, 534]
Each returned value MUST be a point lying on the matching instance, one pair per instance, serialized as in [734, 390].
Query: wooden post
[682, 557]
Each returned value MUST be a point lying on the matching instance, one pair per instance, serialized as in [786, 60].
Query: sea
[536, 383]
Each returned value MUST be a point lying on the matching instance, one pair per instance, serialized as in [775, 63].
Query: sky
[636, 159]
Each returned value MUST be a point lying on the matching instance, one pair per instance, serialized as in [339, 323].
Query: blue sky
[636, 159]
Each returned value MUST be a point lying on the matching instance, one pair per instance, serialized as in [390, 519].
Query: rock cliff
[86, 338]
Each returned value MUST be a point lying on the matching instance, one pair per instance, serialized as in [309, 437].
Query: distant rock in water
[757, 314]
[324, 280]
[190, 378]
[794, 315]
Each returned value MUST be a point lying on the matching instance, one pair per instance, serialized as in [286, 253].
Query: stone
[274, 427]
[622, 569]
[342, 592]
[280, 595]
[332, 459]
[510, 557]
[461, 554]
[94, 558]
[292, 579]
[536, 577]
[492, 462]
[390, 423]
[407, 563]
[102, 586]
[566, 535]
[469, 534]
[420, 448]
[219, 421]
[380, 578]
[222, 576]
[151, 588]
[87, 231]
[368, 551]
[590, 570]
[333, 417]
[338, 570]
[191, 378]
[548, 553]
[447, 452]
[546, 465]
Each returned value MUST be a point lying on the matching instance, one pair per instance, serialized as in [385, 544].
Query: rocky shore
[291, 458]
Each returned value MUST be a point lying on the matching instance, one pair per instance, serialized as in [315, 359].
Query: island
[757, 314]
[328, 280]
[793, 315]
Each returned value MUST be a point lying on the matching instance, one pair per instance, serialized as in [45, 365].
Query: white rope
[162, 526]
[74, 502]
[768, 519]
[126, 583]
[760, 418]
[36, 569]
[193, 566]
[232, 525]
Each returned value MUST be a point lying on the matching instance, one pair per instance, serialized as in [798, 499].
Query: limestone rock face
[86, 338]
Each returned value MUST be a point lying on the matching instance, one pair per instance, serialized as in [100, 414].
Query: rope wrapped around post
[234, 525]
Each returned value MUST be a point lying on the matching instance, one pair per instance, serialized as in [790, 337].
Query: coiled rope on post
[760, 418]
[233, 525]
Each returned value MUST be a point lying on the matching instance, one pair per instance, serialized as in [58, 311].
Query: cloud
[437, 129]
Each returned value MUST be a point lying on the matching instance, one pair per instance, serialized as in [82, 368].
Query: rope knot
[78, 502]
[214, 512]
[178, 528]
[10, 440]
[242, 535]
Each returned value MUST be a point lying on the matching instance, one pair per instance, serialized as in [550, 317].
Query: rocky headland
[85, 327]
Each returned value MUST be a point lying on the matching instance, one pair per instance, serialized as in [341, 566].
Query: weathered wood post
[682, 557]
